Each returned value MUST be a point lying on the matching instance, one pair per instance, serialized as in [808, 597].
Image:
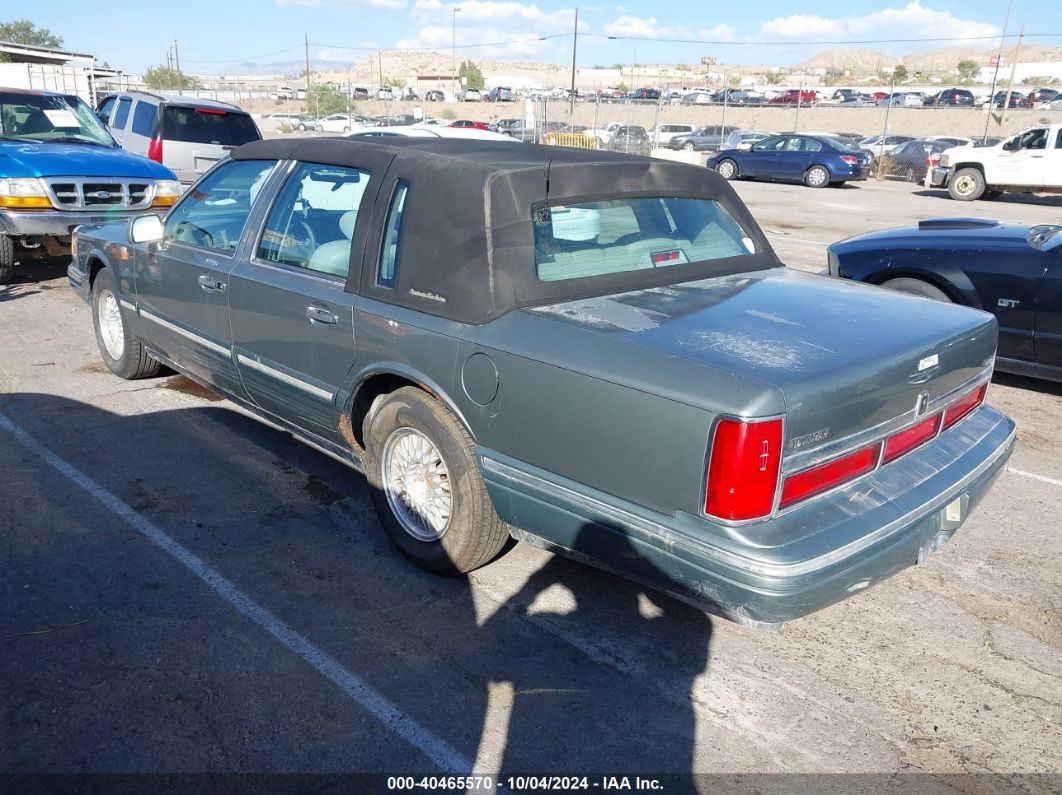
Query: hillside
[849, 59]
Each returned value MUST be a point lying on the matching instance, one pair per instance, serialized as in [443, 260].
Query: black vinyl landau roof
[467, 240]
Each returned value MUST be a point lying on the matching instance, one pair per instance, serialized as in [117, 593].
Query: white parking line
[1034, 476]
[436, 749]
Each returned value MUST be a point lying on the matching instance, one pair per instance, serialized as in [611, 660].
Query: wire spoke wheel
[416, 482]
[112, 329]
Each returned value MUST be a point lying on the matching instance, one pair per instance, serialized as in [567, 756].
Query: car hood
[23, 159]
[833, 349]
[958, 234]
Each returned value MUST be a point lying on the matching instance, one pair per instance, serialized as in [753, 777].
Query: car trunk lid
[848, 358]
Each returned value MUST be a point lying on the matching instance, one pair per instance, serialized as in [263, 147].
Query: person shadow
[608, 689]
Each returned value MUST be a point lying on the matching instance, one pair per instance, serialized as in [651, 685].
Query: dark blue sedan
[815, 160]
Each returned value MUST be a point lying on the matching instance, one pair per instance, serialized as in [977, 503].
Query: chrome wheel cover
[817, 176]
[112, 329]
[726, 169]
[965, 185]
[416, 482]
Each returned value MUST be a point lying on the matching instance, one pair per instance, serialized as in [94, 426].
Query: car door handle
[208, 282]
[318, 314]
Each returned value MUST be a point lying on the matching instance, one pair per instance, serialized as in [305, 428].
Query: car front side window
[213, 214]
[311, 224]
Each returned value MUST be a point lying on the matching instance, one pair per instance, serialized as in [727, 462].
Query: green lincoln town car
[595, 353]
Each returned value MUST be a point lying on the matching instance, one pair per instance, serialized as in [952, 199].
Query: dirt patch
[187, 386]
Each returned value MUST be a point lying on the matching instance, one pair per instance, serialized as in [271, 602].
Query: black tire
[906, 284]
[134, 361]
[473, 535]
[909, 175]
[727, 169]
[301, 128]
[817, 177]
[7, 259]
[346, 129]
[966, 185]
[689, 146]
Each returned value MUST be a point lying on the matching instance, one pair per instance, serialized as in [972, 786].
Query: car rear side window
[619, 235]
[144, 119]
[312, 221]
[198, 125]
[121, 114]
[212, 215]
[385, 272]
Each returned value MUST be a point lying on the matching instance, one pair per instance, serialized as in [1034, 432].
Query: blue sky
[212, 34]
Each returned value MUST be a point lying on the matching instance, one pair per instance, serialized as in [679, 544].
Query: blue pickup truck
[59, 168]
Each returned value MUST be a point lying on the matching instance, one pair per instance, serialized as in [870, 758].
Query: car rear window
[207, 126]
[619, 235]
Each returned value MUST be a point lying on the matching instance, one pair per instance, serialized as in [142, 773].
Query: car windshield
[620, 235]
[50, 119]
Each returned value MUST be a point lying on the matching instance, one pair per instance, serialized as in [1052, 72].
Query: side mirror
[146, 229]
[1013, 145]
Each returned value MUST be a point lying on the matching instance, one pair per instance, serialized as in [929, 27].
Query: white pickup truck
[1029, 162]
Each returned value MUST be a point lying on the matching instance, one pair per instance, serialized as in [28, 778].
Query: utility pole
[995, 74]
[169, 67]
[575, 41]
[177, 60]
[306, 45]
[379, 59]
[1013, 73]
[885, 131]
[453, 51]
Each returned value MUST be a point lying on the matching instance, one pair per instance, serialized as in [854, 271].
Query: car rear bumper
[835, 545]
[57, 223]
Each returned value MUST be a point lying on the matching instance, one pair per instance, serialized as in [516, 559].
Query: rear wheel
[967, 185]
[121, 351]
[426, 486]
[817, 177]
[7, 259]
[727, 169]
[916, 287]
[910, 175]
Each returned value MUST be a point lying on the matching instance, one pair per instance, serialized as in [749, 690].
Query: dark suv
[630, 139]
[500, 94]
[952, 97]
[648, 94]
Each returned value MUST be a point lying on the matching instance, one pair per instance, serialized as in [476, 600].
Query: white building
[51, 69]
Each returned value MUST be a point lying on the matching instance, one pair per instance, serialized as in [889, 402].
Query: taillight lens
[964, 405]
[155, 150]
[915, 436]
[850, 159]
[743, 469]
[833, 473]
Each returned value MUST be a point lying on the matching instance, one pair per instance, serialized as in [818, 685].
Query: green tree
[774, 78]
[900, 73]
[324, 100]
[22, 31]
[683, 67]
[968, 70]
[160, 78]
[474, 77]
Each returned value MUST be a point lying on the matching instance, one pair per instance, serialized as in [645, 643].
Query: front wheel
[688, 146]
[7, 259]
[967, 185]
[122, 352]
[917, 287]
[817, 177]
[426, 487]
[301, 128]
[727, 169]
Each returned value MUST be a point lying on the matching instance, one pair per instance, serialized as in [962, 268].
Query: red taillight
[215, 111]
[743, 470]
[155, 150]
[664, 257]
[964, 405]
[850, 159]
[915, 436]
[833, 473]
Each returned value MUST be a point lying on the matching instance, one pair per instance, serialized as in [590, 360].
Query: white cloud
[347, 5]
[650, 28]
[912, 21]
[522, 27]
